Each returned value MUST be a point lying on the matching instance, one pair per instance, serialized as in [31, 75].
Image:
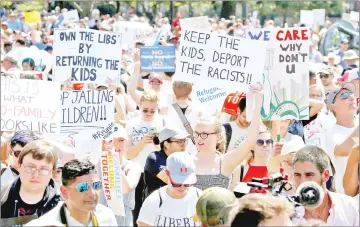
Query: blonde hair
[214, 120]
[319, 87]
[149, 96]
[182, 89]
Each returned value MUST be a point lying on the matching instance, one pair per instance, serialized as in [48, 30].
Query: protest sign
[87, 114]
[314, 133]
[319, 16]
[196, 23]
[209, 99]
[30, 105]
[306, 17]
[231, 103]
[71, 16]
[86, 55]
[354, 16]
[219, 60]
[135, 32]
[88, 149]
[111, 178]
[286, 74]
[32, 17]
[157, 59]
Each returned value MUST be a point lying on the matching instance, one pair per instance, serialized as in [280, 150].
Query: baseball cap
[344, 41]
[48, 47]
[181, 168]
[330, 97]
[290, 147]
[211, 203]
[168, 133]
[119, 132]
[326, 70]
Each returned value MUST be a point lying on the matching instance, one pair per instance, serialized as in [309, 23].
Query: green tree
[228, 9]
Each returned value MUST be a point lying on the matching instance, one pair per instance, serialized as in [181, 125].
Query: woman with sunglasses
[212, 167]
[255, 165]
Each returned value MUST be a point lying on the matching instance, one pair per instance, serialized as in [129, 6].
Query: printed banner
[86, 55]
[196, 23]
[111, 176]
[157, 58]
[210, 99]
[231, 103]
[32, 17]
[286, 74]
[30, 105]
[87, 114]
[219, 60]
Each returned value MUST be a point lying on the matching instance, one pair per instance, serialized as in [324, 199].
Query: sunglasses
[324, 76]
[16, 153]
[175, 185]
[149, 111]
[85, 186]
[261, 142]
[181, 142]
[346, 95]
[155, 82]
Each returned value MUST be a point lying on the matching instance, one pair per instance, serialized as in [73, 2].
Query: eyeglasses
[16, 153]
[85, 186]
[324, 76]
[32, 170]
[261, 142]
[203, 135]
[181, 142]
[147, 111]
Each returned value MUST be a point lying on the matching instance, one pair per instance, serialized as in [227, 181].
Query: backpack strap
[242, 167]
[161, 201]
[184, 121]
[228, 133]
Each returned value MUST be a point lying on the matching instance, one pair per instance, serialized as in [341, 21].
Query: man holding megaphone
[311, 163]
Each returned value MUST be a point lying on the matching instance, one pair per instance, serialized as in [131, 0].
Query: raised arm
[134, 93]
[344, 148]
[315, 106]
[233, 158]
[351, 180]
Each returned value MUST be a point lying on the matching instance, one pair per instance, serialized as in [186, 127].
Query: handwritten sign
[197, 23]
[30, 105]
[157, 59]
[86, 55]
[286, 74]
[88, 114]
[71, 16]
[354, 16]
[219, 60]
[111, 175]
[231, 103]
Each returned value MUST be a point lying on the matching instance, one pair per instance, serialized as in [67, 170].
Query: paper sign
[231, 103]
[30, 105]
[88, 149]
[196, 23]
[306, 17]
[88, 114]
[32, 17]
[354, 16]
[286, 74]
[157, 59]
[111, 176]
[86, 55]
[219, 60]
[70, 16]
[135, 32]
[209, 99]
[319, 16]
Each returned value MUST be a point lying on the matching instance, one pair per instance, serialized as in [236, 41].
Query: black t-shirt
[155, 163]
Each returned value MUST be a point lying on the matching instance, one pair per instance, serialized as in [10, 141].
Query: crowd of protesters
[175, 173]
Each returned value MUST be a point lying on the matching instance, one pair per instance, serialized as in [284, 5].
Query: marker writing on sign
[293, 57]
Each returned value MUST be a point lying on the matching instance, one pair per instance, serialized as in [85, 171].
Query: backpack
[228, 133]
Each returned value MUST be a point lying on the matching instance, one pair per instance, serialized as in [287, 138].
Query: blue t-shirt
[155, 163]
[14, 25]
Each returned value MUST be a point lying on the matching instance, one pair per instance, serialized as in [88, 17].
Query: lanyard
[64, 221]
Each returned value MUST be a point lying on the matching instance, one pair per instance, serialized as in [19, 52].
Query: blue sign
[157, 58]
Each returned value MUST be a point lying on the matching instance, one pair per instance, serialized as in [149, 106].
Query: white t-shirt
[172, 212]
[136, 129]
[334, 136]
[238, 135]
[104, 216]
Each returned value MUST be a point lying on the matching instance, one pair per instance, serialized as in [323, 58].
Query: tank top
[205, 181]
[255, 172]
